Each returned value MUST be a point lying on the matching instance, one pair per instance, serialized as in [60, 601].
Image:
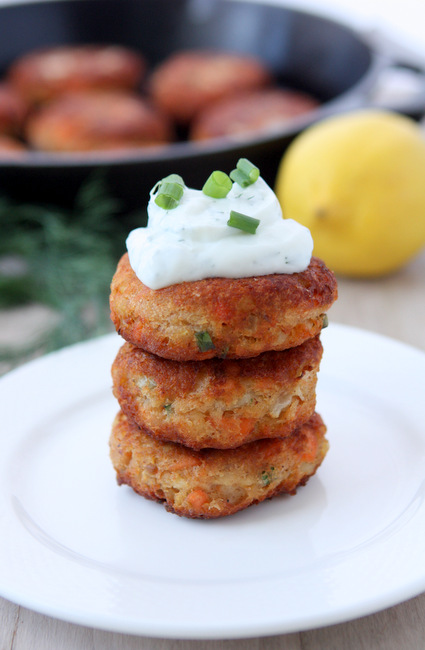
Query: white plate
[76, 546]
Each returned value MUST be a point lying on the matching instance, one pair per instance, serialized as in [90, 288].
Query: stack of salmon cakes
[216, 383]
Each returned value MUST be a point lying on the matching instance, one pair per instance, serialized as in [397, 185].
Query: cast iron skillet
[304, 51]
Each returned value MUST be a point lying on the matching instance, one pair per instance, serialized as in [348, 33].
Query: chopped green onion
[170, 192]
[243, 222]
[325, 320]
[173, 178]
[267, 477]
[218, 185]
[245, 173]
[170, 196]
[204, 341]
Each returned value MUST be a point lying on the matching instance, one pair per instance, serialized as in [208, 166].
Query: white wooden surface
[393, 306]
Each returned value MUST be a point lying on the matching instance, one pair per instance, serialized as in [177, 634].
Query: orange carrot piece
[197, 499]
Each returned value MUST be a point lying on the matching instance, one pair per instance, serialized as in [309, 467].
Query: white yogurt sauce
[193, 241]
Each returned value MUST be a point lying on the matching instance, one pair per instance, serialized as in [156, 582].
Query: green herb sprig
[66, 260]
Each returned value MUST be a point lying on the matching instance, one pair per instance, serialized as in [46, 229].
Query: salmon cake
[43, 75]
[97, 121]
[188, 81]
[222, 317]
[214, 483]
[219, 403]
[251, 113]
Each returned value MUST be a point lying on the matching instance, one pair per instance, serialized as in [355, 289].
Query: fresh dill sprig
[63, 258]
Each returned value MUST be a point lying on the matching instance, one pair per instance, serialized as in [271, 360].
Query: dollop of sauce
[193, 241]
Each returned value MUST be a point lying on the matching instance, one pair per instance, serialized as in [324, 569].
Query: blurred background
[64, 218]
[400, 22]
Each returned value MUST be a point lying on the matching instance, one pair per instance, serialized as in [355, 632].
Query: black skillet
[304, 51]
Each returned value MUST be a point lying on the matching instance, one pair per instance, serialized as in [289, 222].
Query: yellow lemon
[357, 181]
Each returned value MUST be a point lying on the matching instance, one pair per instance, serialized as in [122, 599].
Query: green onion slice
[218, 185]
[243, 222]
[170, 191]
[245, 173]
[204, 341]
[173, 178]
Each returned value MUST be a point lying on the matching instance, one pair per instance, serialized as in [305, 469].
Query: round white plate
[76, 546]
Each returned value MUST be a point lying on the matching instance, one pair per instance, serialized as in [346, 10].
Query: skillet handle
[400, 83]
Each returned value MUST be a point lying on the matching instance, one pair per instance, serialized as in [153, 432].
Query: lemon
[357, 181]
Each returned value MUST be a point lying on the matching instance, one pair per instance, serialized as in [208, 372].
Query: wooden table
[393, 306]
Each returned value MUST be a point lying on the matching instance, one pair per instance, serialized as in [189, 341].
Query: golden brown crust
[244, 317]
[261, 110]
[46, 74]
[97, 121]
[220, 403]
[187, 82]
[214, 483]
